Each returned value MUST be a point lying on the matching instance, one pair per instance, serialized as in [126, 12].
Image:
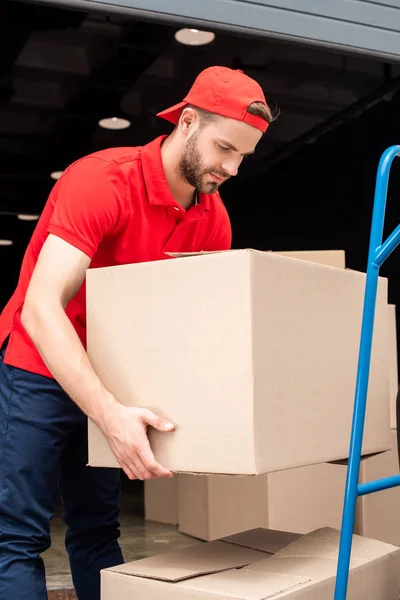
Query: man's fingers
[138, 466]
[128, 471]
[148, 460]
[157, 422]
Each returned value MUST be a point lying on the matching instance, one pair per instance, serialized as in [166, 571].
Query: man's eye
[223, 147]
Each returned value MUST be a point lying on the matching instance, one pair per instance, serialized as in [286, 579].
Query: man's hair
[259, 109]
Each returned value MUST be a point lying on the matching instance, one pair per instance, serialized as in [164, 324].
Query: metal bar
[378, 485]
[353, 469]
[388, 246]
[364, 361]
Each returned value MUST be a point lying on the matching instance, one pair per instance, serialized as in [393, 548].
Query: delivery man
[116, 206]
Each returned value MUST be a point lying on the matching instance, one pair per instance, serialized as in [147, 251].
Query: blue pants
[43, 447]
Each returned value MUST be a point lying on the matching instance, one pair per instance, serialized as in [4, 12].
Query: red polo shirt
[115, 206]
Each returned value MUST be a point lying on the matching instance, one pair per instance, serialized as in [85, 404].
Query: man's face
[214, 152]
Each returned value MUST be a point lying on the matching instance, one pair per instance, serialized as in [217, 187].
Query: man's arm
[59, 274]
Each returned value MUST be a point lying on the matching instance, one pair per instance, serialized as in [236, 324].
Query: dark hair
[259, 109]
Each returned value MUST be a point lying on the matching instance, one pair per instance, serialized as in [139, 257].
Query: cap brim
[172, 114]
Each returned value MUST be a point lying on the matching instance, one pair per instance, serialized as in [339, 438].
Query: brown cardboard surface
[194, 508]
[333, 258]
[211, 507]
[303, 568]
[393, 368]
[298, 500]
[260, 538]
[378, 513]
[161, 500]
[265, 345]
[248, 584]
[192, 561]
[311, 382]
[306, 498]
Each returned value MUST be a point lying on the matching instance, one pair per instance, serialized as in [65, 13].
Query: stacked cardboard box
[259, 564]
[253, 355]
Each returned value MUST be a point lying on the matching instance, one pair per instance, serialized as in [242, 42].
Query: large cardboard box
[256, 565]
[252, 355]
[161, 500]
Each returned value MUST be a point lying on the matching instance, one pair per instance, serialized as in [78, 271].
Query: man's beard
[191, 169]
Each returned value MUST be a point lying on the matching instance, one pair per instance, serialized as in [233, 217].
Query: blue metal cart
[378, 253]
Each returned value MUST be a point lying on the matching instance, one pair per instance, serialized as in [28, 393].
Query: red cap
[224, 92]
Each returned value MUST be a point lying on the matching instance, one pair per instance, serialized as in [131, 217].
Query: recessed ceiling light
[23, 217]
[6, 242]
[114, 123]
[194, 37]
[56, 174]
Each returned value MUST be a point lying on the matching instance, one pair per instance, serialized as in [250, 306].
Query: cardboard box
[251, 354]
[256, 565]
[298, 500]
[161, 500]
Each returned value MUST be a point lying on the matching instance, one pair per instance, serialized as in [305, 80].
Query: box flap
[324, 542]
[219, 569]
[212, 557]
[314, 557]
[265, 540]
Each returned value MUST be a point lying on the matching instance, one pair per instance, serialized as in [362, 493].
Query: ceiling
[61, 71]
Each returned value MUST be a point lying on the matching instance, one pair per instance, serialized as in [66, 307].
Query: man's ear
[188, 120]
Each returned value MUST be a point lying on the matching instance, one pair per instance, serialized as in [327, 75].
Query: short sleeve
[88, 201]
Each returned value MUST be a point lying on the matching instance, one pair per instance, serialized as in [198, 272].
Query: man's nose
[231, 166]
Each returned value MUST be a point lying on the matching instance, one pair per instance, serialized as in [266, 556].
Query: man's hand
[126, 432]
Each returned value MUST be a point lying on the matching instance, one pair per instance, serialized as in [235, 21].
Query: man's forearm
[60, 348]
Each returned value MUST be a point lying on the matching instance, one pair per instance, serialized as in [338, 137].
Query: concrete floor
[139, 539]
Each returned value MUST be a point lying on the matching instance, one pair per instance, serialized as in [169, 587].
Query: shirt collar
[157, 187]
